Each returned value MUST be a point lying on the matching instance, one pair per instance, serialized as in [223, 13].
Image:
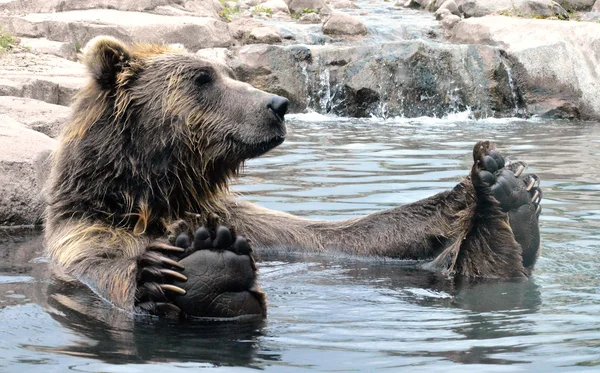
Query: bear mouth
[256, 149]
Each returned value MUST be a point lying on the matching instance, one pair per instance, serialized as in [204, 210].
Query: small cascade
[304, 71]
[513, 88]
[324, 92]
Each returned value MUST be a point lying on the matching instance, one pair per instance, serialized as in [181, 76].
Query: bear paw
[156, 291]
[519, 195]
[221, 275]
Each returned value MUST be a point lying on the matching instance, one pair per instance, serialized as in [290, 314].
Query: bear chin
[255, 150]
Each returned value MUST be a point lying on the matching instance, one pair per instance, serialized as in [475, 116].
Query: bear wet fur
[146, 158]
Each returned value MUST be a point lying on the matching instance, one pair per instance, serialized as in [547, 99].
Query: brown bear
[139, 208]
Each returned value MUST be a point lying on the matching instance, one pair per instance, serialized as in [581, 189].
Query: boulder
[520, 8]
[45, 46]
[410, 78]
[343, 4]
[343, 24]
[450, 6]
[276, 6]
[42, 77]
[264, 35]
[580, 5]
[310, 18]
[34, 114]
[23, 168]
[555, 65]
[450, 20]
[296, 6]
[591, 17]
[79, 26]
[205, 8]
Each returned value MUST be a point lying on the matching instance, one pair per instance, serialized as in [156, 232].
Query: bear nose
[279, 105]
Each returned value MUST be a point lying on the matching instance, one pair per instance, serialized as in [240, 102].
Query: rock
[596, 7]
[296, 6]
[591, 17]
[343, 24]
[440, 14]
[449, 21]
[521, 8]
[252, 31]
[219, 55]
[449, 5]
[310, 18]
[277, 6]
[581, 5]
[205, 8]
[34, 114]
[410, 78]
[264, 35]
[22, 154]
[343, 4]
[555, 64]
[42, 77]
[415, 4]
[56, 48]
[78, 27]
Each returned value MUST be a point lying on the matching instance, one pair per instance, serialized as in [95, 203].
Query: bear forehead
[187, 62]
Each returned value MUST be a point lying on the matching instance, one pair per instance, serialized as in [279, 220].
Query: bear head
[157, 126]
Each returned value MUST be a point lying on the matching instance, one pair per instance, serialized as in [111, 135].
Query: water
[343, 314]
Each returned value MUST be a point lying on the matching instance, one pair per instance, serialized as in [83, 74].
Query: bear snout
[279, 106]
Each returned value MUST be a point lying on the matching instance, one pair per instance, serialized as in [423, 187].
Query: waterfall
[513, 88]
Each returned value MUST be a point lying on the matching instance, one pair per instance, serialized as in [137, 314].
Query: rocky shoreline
[345, 57]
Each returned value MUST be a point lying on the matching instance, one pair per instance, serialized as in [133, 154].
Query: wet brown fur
[143, 149]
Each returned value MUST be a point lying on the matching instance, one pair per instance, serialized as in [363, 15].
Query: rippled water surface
[343, 314]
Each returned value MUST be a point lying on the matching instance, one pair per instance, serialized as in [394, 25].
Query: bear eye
[202, 77]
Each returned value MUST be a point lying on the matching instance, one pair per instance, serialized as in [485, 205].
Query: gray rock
[554, 64]
[205, 8]
[23, 154]
[581, 5]
[522, 8]
[45, 46]
[440, 14]
[296, 6]
[449, 5]
[344, 25]
[277, 6]
[310, 18]
[343, 4]
[450, 20]
[34, 114]
[79, 26]
[410, 78]
[42, 77]
[596, 7]
[591, 17]
[264, 35]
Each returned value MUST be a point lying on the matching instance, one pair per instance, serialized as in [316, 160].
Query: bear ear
[105, 57]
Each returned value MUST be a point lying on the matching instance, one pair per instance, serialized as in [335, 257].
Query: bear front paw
[221, 275]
